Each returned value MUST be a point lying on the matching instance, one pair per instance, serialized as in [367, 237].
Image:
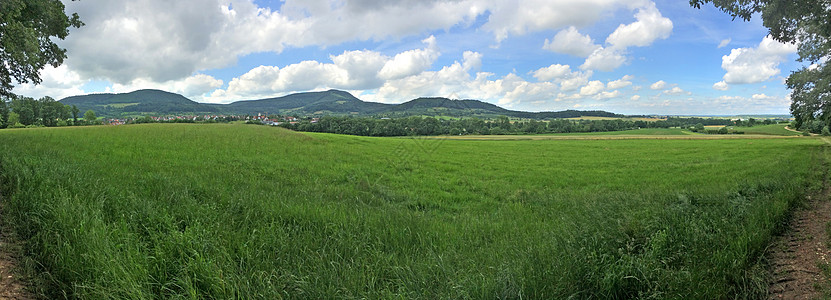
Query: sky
[624, 56]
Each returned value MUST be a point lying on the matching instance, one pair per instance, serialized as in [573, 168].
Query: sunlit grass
[225, 211]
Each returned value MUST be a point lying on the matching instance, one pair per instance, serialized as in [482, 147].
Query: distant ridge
[331, 102]
[138, 102]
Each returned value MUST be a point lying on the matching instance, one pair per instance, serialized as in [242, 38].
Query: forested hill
[331, 102]
[138, 103]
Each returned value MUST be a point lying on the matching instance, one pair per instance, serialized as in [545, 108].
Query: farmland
[227, 210]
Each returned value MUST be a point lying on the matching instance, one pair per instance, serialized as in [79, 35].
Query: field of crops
[242, 211]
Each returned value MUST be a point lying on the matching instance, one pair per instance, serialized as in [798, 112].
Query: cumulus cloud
[676, 91]
[411, 62]
[620, 83]
[592, 88]
[570, 41]
[59, 83]
[351, 70]
[194, 87]
[361, 67]
[166, 45]
[609, 94]
[756, 102]
[650, 26]
[753, 65]
[517, 18]
[604, 59]
[575, 80]
[658, 85]
[761, 97]
[555, 71]
[472, 60]
[635, 98]
[721, 86]
[163, 40]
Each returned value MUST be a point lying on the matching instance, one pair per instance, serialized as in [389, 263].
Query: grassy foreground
[235, 211]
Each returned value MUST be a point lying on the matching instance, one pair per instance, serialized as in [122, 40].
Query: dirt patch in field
[12, 286]
[797, 255]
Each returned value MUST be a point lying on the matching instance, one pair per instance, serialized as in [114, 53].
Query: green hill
[138, 102]
[311, 103]
[331, 102]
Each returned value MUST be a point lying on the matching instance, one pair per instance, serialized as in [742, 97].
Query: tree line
[421, 126]
[29, 112]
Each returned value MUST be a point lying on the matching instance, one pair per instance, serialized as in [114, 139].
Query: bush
[825, 131]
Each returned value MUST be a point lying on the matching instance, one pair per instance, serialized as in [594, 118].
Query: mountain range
[331, 102]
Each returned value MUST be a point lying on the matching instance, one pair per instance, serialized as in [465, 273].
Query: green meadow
[773, 129]
[185, 211]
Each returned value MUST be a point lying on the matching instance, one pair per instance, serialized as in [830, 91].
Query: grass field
[642, 131]
[773, 129]
[237, 211]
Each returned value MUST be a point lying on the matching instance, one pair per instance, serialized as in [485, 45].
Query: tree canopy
[90, 116]
[26, 45]
[806, 23]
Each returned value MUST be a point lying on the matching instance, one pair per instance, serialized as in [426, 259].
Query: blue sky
[624, 56]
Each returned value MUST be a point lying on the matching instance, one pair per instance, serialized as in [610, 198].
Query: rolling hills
[331, 102]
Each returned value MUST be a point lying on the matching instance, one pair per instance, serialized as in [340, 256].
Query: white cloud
[570, 41]
[676, 91]
[361, 68]
[592, 88]
[193, 87]
[162, 40]
[620, 83]
[761, 97]
[168, 45]
[604, 59]
[650, 26]
[472, 60]
[59, 83]
[756, 102]
[721, 86]
[635, 98]
[454, 81]
[724, 43]
[555, 71]
[411, 62]
[753, 65]
[517, 18]
[575, 80]
[351, 70]
[608, 94]
[658, 85]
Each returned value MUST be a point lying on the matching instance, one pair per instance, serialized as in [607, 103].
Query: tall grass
[234, 211]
